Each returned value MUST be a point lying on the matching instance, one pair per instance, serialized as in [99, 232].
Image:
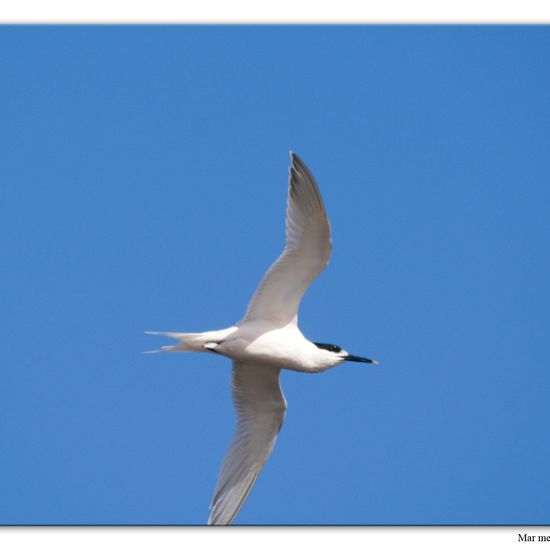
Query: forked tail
[191, 341]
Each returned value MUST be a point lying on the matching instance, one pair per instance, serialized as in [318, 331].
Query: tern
[267, 340]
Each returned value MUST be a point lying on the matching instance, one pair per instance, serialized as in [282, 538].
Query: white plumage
[267, 340]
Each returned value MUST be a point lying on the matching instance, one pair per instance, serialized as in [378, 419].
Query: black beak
[357, 359]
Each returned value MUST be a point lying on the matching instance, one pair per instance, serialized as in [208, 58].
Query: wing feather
[306, 253]
[260, 407]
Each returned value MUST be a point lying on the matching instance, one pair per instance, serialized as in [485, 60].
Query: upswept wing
[260, 407]
[306, 253]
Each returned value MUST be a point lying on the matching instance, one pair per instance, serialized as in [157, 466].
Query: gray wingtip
[299, 165]
[295, 158]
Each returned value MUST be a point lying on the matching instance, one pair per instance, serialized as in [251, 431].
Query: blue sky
[143, 185]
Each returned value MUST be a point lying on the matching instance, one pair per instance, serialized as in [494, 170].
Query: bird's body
[267, 340]
[259, 342]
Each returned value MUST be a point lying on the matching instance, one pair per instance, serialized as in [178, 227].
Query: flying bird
[267, 340]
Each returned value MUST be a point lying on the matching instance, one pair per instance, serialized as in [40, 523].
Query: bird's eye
[329, 347]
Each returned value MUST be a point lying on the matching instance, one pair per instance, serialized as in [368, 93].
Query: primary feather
[306, 253]
[260, 407]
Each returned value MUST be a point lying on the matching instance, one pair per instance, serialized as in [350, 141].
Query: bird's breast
[285, 348]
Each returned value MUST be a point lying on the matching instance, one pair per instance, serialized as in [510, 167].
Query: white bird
[267, 340]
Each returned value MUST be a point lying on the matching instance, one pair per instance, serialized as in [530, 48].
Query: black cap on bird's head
[344, 354]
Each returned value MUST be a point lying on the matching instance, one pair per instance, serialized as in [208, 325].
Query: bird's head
[340, 355]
